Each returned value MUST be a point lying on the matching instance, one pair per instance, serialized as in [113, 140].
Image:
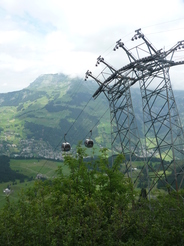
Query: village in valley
[30, 148]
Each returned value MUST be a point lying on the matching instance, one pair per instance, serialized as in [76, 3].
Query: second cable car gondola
[65, 146]
[89, 142]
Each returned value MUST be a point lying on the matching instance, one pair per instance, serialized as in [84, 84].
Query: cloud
[68, 36]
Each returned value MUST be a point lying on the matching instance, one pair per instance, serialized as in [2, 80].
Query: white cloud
[54, 36]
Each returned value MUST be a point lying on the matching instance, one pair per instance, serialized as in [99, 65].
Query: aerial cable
[170, 30]
[78, 86]
[78, 118]
[74, 122]
[67, 133]
[86, 121]
[90, 132]
[79, 114]
[162, 23]
[97, 122]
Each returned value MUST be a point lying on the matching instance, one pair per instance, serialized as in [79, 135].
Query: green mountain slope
[34, 120]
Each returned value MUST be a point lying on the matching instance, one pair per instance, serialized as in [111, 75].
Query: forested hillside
[34, 120]
[6, 173]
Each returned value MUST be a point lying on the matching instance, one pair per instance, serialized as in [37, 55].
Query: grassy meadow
[30, 168]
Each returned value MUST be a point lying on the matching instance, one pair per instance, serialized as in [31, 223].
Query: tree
[84, 208]
[91, 206]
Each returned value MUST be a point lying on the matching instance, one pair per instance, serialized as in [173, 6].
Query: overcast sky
[66, 36]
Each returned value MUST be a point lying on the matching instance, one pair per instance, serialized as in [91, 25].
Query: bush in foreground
[93, 205]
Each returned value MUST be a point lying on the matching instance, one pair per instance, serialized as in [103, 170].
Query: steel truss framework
[163, 133]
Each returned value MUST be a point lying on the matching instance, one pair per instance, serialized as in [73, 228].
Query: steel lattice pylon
[163, 133]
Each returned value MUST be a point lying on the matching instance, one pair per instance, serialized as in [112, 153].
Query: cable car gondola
[89, 142]
[65, 146]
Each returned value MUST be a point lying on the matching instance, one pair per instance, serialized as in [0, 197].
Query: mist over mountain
[35, 120]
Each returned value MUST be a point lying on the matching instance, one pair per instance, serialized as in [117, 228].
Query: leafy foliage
[93, 205]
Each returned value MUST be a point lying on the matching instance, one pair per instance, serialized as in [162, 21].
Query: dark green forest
[93, 205]
[6, 173]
